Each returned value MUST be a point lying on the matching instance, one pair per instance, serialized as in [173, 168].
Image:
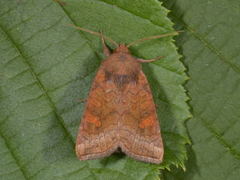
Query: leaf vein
[41, 30]
[221, 140]
[208, 45]
[126, 10]
[40, 84]
[22, 170]
[58, 64]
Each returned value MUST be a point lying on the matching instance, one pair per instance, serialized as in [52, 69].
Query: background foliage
[210, 46]
[46, 67]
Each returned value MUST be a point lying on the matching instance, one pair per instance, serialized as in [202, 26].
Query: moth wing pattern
[96, 137]
[120, 113]
[140, 132]
[133, 127]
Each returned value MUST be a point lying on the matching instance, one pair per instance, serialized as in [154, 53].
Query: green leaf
[46, 69]
[210, 46]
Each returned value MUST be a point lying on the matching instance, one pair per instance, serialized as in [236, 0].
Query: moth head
[122, 48]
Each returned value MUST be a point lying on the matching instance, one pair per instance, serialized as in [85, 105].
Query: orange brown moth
[120, 111]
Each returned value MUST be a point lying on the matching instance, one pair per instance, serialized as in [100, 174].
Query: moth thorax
[120, 80]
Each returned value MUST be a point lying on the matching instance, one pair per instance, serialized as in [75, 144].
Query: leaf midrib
[41, 86]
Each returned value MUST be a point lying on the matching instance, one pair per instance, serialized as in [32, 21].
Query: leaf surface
[46, 71]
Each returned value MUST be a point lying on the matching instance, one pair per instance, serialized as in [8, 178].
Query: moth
[120, 111]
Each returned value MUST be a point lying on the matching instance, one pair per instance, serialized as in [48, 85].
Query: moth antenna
[154, 37]
[95, 33]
